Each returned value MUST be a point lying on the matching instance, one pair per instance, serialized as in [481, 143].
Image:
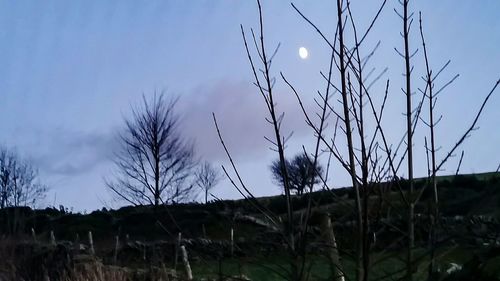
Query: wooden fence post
[177, 249]
[117, 245]
[189, 273]
[333, 253]
[232, 242]
[52, 238]
[33, 234]
[91, 243]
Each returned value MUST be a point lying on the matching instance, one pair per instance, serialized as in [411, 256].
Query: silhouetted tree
[301, 172]
[207, 178]
[155, 161]
[358, 143]
[19, 183]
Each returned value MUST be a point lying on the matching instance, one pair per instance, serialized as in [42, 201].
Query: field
[147, 237]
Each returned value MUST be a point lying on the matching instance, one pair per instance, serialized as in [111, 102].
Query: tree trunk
[409, 141]
[350, 146]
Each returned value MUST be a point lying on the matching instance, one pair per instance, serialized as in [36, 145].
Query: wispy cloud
[66, 152]
[241, 114]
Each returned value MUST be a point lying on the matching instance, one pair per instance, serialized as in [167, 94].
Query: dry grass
[95, 271]
[21, 260]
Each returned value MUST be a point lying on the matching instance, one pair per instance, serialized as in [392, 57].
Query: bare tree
[19, 181]
[301, 172]
[155, 161]
[6, 162]
[365, 152]
[207, 178]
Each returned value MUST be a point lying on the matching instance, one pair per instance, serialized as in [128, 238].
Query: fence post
[232, 242]
[117, 244]
[91, 243]
[189, 273]
[52, 238]
[333, 253]
[33, 234]
[177, 248]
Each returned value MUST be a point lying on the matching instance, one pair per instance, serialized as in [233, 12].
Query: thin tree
[19, 181]
[301, 172]
[6, 163]
[207, 177]
[369, 158]
[155, 161]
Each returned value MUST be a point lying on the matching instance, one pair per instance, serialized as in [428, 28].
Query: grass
[391, 267]
[271, 268]
[468, 195]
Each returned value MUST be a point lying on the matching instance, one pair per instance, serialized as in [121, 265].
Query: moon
[303, 53]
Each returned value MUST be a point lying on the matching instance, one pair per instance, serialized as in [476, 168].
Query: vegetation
[207, 178]
[19, 181]
[362, 149]
[155, 162]
[301, 173]
[384, 226]
[469, 228]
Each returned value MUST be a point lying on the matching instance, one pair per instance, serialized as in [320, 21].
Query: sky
[70, 71]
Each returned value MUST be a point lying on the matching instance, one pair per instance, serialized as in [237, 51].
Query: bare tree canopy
[207, 178]
[154, 162]
[19, 182]
[300, 172]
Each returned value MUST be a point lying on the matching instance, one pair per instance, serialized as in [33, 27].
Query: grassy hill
[462, 195]
[147, 235]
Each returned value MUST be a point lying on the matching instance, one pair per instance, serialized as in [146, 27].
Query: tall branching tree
[363, 150]
[155, 162]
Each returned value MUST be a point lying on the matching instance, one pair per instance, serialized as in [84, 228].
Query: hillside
[147, 235]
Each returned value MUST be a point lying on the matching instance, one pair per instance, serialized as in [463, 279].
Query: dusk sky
[70, 70]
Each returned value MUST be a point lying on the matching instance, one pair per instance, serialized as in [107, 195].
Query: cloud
[65, 152]
[240, 111]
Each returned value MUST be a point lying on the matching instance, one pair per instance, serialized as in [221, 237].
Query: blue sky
[70, 70]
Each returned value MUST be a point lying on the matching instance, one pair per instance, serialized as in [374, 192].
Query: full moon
[303, 53]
